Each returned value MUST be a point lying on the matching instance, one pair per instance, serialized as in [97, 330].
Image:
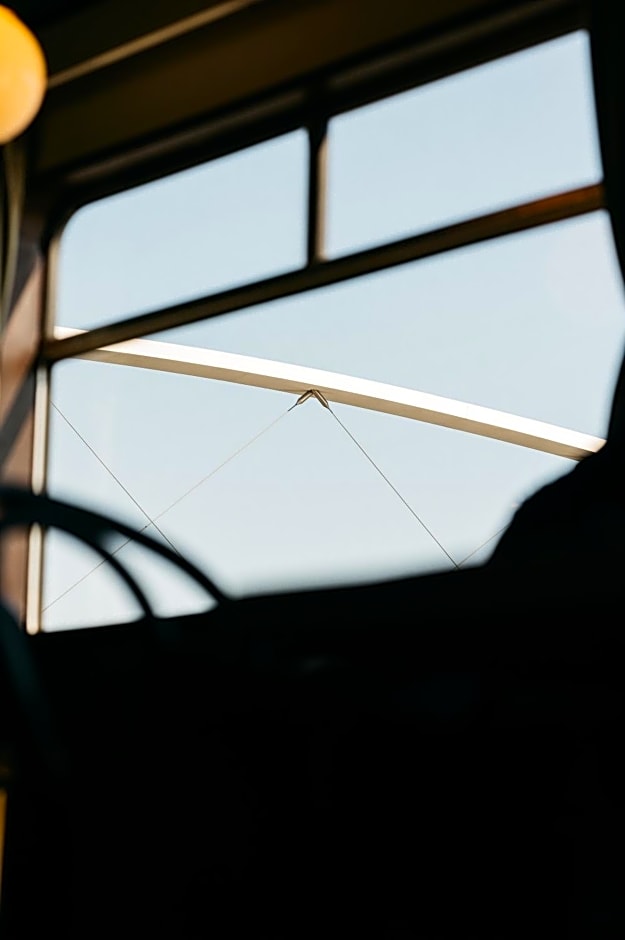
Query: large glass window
[532, 324]
[263, 495]
[298, 505]
[215, 226]
[509, 131]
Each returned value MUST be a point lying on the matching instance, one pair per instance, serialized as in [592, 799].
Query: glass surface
[233, 220]
[532, 324]
[264, 496]
[298, 505]
[506, 132]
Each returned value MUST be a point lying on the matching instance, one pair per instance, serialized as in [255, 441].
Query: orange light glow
[22, 76]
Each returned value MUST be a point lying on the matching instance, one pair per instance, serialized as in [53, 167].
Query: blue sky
[532, 324]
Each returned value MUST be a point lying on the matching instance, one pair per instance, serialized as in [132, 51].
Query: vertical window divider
[317, 190]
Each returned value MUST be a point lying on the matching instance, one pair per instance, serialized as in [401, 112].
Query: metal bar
[409, 62]
[345, 390]
[318, 146]
[34, 590]
[506, 222]
[445, 52]
[149, 41]
[19, 347]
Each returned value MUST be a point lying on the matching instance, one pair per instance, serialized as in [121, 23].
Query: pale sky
[532, 324]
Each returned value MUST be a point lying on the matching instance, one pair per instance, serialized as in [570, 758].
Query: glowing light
[22, 76]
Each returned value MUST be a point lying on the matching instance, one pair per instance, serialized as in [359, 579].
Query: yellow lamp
[22, 76]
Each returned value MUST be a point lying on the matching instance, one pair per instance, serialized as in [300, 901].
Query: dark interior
[432, 757]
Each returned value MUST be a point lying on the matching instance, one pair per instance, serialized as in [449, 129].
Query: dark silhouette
[433, 757]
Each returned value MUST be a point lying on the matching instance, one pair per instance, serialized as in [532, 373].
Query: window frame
[308, 106]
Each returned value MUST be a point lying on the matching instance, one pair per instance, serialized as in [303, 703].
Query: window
[299, 505]
[264, 495]
[205, 229]
[507, 132]
[531, 324]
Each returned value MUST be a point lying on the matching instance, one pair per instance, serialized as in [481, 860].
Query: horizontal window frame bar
[324, 273]
[345, 390]
[416, 61]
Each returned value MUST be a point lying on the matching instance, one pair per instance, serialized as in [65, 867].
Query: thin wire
[226, 461]
[204, 479]
[476, 550]
[84, 577]
[394, 488]
[119, 548]
[114, 476]
[152, 522]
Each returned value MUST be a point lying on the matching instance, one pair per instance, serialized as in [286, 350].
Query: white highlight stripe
[345, 390]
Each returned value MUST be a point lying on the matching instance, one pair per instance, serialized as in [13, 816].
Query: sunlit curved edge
[345, 390]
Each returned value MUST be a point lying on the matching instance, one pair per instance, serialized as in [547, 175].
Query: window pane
[212, 227]
[506, 132]
[80, 590]
[264, 496]
[298, 505]
[532, 324]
